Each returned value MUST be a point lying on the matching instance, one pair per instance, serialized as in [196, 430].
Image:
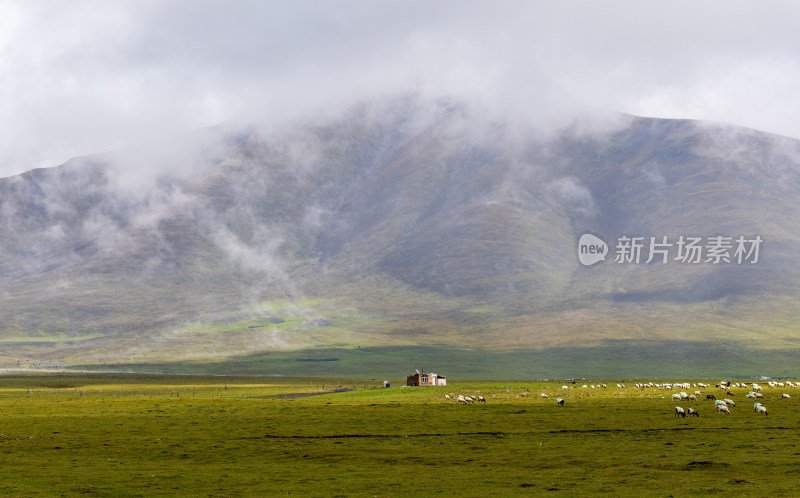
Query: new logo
[591, 249]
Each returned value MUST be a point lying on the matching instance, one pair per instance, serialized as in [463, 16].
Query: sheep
[755, 406]
[676, 396]
[761, 409]
[729, 402]
[543, 395]
[710, 397]
[679, 412]
[560, 402]
[446, 396]
[693, 412]
[481, 399]
[784, 395]
[723, 408]
[692, 397]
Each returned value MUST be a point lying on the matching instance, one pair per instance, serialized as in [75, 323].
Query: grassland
[157, 435]
[618, 359]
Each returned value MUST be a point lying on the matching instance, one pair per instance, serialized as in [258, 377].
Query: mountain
[432, 227]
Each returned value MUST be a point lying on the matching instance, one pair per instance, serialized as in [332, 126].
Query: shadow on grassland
[610, 359]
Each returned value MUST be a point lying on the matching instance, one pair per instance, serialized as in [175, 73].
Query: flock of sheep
[721, 406]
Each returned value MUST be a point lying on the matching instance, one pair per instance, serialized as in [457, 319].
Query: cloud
[574, 194]
[84, 77]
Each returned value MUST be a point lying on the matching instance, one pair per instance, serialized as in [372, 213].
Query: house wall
[433, 380]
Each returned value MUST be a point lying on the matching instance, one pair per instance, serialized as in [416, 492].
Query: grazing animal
[730, 393]
[761, 409]
[710, 396]
[560, 402]
[755, 406]
[543, 395]
[785, 395]
[693, 412]
[723, 408]
[729, 402]
[679, 412]
[481, 399]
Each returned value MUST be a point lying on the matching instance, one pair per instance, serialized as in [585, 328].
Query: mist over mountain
[402, 222]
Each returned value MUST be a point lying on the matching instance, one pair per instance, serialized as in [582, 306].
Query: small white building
[426, 379]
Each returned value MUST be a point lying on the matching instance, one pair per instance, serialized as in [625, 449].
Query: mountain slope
[399, 223]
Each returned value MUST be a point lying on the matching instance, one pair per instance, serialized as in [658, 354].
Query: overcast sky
[81, 77]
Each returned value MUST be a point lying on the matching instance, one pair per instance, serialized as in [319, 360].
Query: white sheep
[729, 402]
[560, 402]
[785, 395]
[761, 409]
[723, 408]
[543, 395]
[693, 412]
[679, 412]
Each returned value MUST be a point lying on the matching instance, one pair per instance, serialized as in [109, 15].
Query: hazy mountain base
[473, 343]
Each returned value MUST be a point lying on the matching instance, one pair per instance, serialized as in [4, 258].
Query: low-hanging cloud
[574, 195]
[85, 77]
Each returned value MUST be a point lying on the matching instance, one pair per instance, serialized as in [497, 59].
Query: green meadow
[66, 434]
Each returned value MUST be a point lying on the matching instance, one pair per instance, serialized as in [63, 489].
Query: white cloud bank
[88, 76]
